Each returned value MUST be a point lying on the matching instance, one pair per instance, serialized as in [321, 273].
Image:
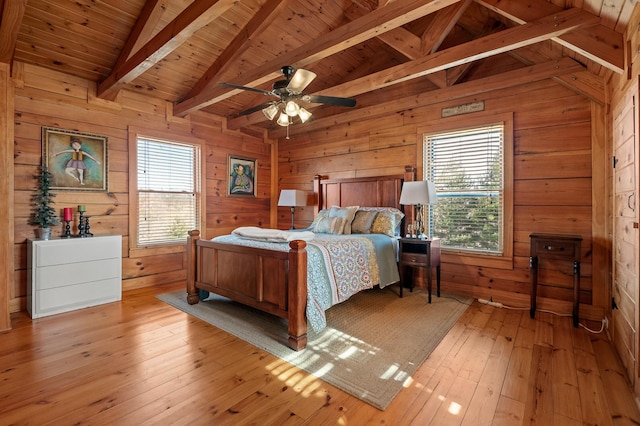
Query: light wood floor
[143, 362]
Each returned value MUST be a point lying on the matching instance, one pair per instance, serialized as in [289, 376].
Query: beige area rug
[374, 341]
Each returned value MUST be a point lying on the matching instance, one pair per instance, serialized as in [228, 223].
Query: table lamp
[418, 193]
[292, 198]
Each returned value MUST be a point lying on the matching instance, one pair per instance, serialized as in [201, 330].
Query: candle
[68, 214]
[82, 208]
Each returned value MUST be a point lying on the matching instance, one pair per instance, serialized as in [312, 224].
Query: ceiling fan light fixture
[300, 80]
[270, 111]
[291, 108]
[303, 114]
[283, 120]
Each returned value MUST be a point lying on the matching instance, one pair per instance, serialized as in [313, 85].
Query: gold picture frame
[77, 161]
[242, 176]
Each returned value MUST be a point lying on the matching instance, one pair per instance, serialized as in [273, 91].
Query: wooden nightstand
[417, 253]
[555, 247]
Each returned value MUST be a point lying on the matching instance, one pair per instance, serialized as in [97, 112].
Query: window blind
[167, 191]
[466, 167]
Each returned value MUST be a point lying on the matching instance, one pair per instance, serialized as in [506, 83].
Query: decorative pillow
[322, 215]
[330, 225]
[337, 224]
[347, 213]
[362, 222]
[387, 221]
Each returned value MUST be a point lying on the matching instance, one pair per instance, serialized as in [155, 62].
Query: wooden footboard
[272, 281]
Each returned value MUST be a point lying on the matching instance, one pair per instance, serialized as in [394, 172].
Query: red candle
[68, 214]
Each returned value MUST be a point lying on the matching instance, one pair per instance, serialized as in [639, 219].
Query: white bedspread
[272, 235]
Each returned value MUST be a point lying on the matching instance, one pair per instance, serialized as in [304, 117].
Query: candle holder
[87, 227]
[81, 224]
[67, 230]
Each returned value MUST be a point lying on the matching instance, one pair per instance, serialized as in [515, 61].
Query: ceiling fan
[288, 91]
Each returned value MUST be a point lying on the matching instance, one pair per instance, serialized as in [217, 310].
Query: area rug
[372, 345]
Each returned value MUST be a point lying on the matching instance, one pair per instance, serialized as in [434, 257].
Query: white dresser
[74, 273]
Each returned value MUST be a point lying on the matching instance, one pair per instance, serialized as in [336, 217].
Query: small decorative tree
[44, 215]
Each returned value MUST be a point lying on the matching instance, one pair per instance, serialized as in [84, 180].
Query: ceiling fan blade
[329, 100]
[300, 80]
[251, 89]
[255, 108]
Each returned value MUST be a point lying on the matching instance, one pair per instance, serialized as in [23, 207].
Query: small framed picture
[77, 161]
[242, 177]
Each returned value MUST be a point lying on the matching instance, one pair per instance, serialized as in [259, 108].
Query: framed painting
[242, 177]
[77, 161]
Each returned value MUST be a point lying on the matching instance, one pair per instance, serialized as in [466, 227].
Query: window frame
[505, 260]
[133, 134]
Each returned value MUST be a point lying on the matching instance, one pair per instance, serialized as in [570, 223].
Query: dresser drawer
[77, 296]
[414, 259]
[80, 272]
[58, 252]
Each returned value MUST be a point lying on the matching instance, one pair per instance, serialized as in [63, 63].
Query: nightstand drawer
[559, 247]
[414, 259]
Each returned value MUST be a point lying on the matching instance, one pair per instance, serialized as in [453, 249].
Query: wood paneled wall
[555, 131]
[624, 95]
[47, 98]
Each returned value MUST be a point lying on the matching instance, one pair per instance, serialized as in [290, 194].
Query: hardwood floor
[143, 362]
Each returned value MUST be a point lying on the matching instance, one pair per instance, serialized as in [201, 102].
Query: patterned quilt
[339, 266]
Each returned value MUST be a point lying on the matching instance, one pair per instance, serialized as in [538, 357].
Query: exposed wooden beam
[494, 44]
[454, 75]
[584, 83]
[441, 26]
[399, 39]
[598, 43]
[10, 20]
[194, 17]
[504, 80]
[261, 20]
[149, 17]
[466, 53]
[371, 25]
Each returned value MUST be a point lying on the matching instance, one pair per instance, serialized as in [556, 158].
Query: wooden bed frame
[276, 281]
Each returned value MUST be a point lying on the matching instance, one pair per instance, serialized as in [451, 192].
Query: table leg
[576, 292]
[533, 271]
[429, 279]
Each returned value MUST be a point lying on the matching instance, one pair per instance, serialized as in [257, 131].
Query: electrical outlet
[605, 323]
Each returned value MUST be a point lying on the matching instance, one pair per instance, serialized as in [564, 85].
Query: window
[168, 196]
[468, 169]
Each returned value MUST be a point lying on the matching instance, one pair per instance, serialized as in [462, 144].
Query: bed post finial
[317, 190]
[409, 173]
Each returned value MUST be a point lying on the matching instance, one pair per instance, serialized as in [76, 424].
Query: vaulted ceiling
[376, 51]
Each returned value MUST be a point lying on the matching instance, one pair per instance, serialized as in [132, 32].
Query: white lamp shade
[292, 198]
[291, 108]
[283, 120]
[270, 111]
[418, 192]
[304, 114]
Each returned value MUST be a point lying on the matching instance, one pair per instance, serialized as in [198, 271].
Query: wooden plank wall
[552, 171]
[47, 98]
[626, 288]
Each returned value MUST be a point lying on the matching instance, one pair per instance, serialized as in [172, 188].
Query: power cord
[490, 302]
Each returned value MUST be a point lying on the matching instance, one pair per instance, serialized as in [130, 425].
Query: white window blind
[168, 198]
[467, 167]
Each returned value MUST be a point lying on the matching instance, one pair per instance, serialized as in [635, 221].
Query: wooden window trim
[504, 261]
[133, 134]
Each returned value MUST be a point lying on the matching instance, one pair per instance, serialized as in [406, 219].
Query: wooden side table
[561, 247]
[417, 253]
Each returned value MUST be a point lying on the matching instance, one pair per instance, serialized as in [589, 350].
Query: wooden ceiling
[375, 51]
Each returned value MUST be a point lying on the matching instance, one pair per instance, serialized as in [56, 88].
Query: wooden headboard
[374, 191]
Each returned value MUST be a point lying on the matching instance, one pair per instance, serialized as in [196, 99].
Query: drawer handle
[552, 248]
